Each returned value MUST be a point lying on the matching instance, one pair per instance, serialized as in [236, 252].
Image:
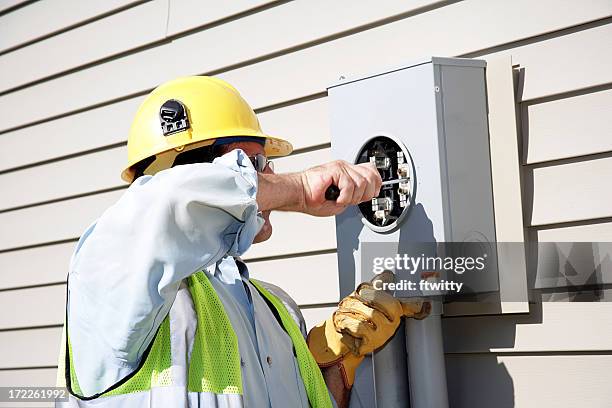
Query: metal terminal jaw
[380, 160]
[404, 194]
[382, 207]
[404, 187]
[403, 168]
[403, 171]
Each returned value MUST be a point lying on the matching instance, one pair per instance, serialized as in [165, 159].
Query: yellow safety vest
[214, 366]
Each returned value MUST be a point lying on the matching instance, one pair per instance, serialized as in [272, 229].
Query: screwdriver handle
[332, 193]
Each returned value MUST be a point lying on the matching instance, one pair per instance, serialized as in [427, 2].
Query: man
[160, 309]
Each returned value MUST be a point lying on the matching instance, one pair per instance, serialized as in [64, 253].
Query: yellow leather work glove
[363, 322]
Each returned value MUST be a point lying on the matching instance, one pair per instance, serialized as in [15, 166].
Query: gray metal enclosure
[437, 110]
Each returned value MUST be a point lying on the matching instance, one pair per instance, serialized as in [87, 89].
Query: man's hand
[357, 183]
[305, 191]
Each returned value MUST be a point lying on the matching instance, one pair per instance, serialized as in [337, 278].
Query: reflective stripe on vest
[214, 366]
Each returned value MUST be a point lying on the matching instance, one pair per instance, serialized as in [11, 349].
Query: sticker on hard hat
[173, 117]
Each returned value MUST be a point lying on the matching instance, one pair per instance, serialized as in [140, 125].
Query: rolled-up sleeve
[127, 266]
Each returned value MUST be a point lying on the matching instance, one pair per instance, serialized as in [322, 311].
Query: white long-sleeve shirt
[128, 266]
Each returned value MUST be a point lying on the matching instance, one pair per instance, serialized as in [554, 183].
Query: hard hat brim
[274, 147]
[277, 147]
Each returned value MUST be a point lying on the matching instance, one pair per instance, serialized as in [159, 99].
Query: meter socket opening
[385, 212]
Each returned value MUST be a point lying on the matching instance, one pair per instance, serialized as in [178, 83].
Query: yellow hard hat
[188, 113]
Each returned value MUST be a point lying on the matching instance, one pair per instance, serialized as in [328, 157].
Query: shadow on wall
[348, 243]
[474, 380]
[478, 380]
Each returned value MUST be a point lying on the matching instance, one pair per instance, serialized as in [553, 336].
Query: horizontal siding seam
[64, 157]
[38, 245]
[68, 27]
[566, 95]
[90, 64]
[565, 224]
[538, 38]
[76, 111]
[291, 102]
[29, 368]
[16, 7]
[45, 326]
[318, 305]
[527, 353]
[573, 223]
[290, 256]
[224, 20]
[567, 160]
[66, 198]
[41, 285]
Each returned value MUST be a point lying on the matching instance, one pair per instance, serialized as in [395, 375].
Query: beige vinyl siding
[39, 376]
[30, 348]
[65, 123]
[29, 377]
[112, 35]
[552, 128]
[549, 327]
[31, 22]
[548, 380]
[573, 191]
[9, 5]
[33, 307]
[594, 231]
[35, 266]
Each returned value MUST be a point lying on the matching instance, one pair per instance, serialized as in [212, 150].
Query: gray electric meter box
[424, 126]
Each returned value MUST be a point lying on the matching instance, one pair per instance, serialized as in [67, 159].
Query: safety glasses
[261, 162]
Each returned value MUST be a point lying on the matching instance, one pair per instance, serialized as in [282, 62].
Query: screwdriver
[333, 192]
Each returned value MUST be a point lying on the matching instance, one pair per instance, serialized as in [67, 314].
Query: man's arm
[305, 191]
[127, 267]
[336, 385]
